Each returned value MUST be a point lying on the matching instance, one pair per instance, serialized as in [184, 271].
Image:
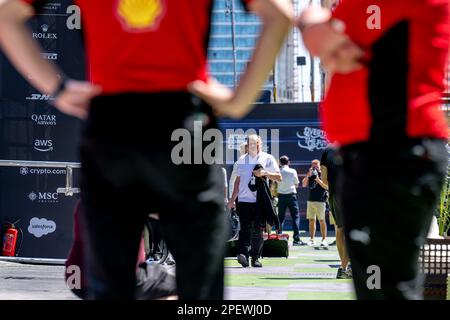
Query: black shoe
[349, 273]
[153, 281]
[242, 259]
[256, 263]
[298, 243]
[343, 274]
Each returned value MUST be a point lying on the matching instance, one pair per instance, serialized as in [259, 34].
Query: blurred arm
[23, 52]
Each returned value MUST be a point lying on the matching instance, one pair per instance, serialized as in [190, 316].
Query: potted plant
[444, 208]
[435, 254]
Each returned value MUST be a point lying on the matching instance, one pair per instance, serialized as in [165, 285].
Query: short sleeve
[272, 165]
[360, 16]
[238, 167]
[296, 181]
[225, 178]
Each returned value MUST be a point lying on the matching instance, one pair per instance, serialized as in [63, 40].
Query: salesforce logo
[41, 227]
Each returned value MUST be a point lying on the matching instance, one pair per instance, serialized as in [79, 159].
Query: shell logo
[140, 15]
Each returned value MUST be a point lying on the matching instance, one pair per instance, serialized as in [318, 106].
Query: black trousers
[387, 197]
[127, 173]
[251, 239]
[289, 201]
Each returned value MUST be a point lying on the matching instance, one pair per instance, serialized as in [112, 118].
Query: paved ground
[306, 274]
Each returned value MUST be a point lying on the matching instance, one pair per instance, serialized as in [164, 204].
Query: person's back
[164, 42]
[397, 95]
[287, 197]
[391, 134]
[289, 182]
[148, 81]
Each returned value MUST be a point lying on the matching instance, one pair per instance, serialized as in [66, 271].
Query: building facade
[233, 37]
[296, 77]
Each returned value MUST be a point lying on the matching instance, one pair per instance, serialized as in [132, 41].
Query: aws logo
[140, 15]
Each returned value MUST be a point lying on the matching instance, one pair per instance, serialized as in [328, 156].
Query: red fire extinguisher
[10, 240]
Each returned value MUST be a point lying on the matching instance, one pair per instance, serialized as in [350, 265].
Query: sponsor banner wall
[45, 217]
[32, 130]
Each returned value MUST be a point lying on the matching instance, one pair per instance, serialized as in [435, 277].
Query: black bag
[276, 245]
[235, 225]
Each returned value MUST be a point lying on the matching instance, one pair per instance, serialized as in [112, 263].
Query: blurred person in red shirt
[382, 108]
[148, 77]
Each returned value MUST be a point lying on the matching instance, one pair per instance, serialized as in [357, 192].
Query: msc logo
[32, 196]
[40, 97]
[43, 145]
[43, 197]
[140, 15]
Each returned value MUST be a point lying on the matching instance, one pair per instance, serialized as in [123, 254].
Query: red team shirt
[147, 45]
[397, 94]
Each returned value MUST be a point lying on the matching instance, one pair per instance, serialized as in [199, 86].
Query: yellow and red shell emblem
[140, 15]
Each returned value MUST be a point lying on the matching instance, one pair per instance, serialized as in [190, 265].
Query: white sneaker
[311, 243]
[324, 243]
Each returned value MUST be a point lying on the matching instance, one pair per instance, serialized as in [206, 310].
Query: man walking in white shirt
[251, 233]
[287, 197]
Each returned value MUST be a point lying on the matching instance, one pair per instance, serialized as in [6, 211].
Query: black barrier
[33, 130]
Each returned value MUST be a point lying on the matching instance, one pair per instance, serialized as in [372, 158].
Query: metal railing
[68, 190]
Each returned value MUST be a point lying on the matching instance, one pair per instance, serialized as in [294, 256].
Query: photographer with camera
[316, 204]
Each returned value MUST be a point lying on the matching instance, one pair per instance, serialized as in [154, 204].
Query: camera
[314, 173]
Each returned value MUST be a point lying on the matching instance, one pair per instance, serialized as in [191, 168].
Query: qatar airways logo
[45, 34]
[44, 119]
